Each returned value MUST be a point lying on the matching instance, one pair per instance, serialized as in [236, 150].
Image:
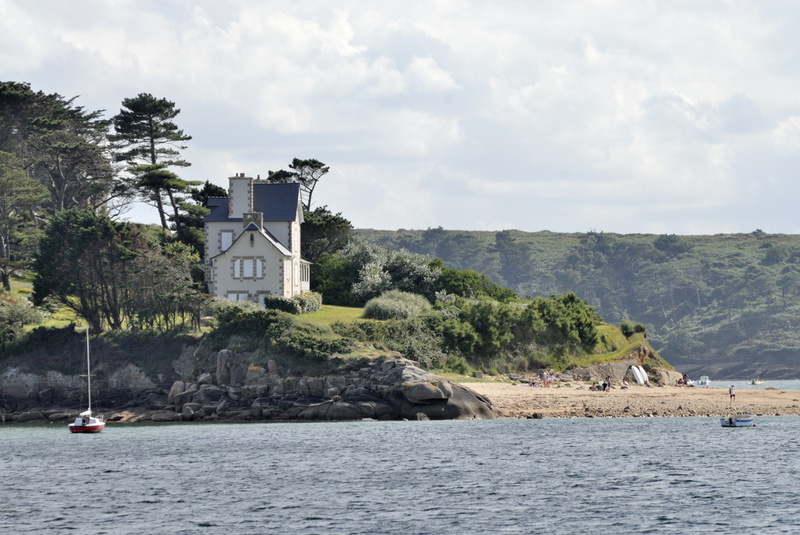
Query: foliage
[60, 145]
[395, 304]
[373, 270]
[415, 338]
[20, 198]
[115, 274]
[470, 283]
[312, 343]
[699, 297]
[284, 304]
[333, 276]
[16, 311]
[236, 319]
[149, 141]
[324, 233]
[299, 304]
[305, 172]
[308, 301]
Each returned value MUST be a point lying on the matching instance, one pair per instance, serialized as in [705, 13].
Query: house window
[248, 268]
[226, 239]
[238, 296]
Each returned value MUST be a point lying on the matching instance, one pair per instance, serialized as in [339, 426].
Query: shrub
[312, 343]
[627, 328]
[395, 304]
[234, 319]
[304, 303]
[309, 302]
[457, 364]
[285, 304]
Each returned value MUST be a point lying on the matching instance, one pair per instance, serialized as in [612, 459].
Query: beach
[572, 400]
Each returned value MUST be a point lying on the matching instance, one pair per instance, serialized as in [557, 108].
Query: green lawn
[328, 314]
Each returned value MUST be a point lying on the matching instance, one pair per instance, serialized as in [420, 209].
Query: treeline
[701, 297]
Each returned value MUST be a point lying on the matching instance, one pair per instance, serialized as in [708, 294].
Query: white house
[252, 241]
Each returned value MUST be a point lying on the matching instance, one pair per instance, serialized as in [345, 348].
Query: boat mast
[88, 372]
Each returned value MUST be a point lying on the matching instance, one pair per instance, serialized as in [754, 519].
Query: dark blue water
[637, 475]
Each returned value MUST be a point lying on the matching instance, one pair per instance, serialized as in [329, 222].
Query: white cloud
[620, 116]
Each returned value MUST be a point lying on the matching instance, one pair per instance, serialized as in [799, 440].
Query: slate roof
[278, 202]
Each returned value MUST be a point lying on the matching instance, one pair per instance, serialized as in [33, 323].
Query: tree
[191, 231]
[20, 199]
[114, 274]
[61, 145]
[324, 233]
[515, 257]
[150, 142]
[306, 172]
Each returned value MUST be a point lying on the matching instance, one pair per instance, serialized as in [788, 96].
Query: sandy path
[522, 401]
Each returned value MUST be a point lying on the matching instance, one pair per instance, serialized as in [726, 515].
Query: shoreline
[561, 400]
[575, 400]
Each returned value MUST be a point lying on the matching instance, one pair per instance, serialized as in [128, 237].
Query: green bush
[457, 364]
[397, 305]
[284, 304]
[234, 319]
[627, 328]
[312, 343]
[304, 303]
[309, 302]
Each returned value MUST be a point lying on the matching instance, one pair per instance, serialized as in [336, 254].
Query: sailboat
[85, 422]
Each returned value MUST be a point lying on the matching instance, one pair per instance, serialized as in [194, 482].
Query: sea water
[629, 475]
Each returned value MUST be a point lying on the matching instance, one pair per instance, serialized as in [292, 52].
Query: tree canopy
[114, 274]
[305, 172]
[150, 142]
[60, 144]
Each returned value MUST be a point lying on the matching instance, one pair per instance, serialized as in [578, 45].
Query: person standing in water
[732, 393]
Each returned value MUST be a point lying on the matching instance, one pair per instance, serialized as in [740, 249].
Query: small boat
[85, 422]
[703, 381]
[742, 419]
[756, 381]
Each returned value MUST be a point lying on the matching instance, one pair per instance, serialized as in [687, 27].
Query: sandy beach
[576, 400]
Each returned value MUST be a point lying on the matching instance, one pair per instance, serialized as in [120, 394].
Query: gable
[261, 238]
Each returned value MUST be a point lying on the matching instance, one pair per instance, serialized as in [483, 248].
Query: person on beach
[732, 393]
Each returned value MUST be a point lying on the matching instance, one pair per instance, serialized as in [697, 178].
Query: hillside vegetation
[728, 303]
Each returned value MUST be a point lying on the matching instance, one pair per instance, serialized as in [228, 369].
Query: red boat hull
[96, 428]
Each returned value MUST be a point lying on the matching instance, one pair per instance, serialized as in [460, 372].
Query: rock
[164, 416]
[223, 372]
[16, 391]
[30, 416]
[254, 373]
[205, 379]
[177, 388]
[208, 393]
[238, 375]
[425, 391]
[185, 396]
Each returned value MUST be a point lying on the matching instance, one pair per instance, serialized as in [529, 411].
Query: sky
[625, 116]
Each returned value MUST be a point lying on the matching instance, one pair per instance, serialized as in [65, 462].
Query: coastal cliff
[386, 389]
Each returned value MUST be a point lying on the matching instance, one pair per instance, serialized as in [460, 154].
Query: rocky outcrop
[389, 389]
